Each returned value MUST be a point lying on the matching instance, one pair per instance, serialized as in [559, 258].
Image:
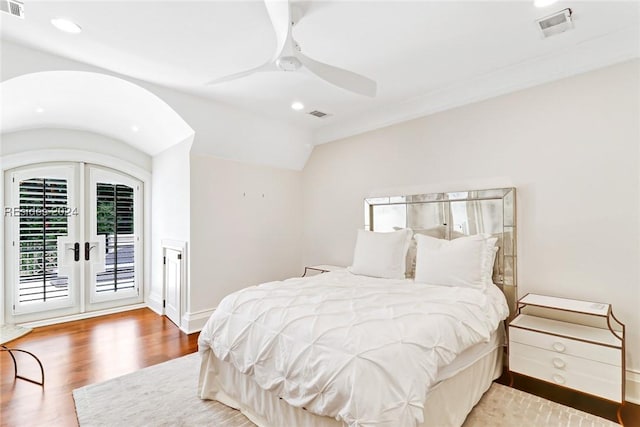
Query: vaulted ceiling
[425, 56]
[67, 99]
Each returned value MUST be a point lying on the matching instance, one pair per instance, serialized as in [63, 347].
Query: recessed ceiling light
[66, 25]
[135, 128]
[39, 110]
[297, 106]
[543, 3]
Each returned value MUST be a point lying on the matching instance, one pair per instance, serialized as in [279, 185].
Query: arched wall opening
[136, 132]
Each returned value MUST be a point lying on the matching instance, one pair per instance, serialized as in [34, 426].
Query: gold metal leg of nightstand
[619, 414]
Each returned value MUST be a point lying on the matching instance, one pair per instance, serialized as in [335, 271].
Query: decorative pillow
[439, 231]
[381, 254]
[465, 261]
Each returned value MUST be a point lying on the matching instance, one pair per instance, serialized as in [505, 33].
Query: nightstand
[571, 343]
[322, 268]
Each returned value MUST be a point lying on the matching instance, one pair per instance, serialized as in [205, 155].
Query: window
[116, 222]
[43, 217]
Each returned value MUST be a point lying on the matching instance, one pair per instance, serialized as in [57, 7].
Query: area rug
[165, 395]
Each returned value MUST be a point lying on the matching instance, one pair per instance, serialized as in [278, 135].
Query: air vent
[12, 7]
[555, 24]
[318, 114]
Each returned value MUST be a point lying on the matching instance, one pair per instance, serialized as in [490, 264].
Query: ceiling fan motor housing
[288, 63]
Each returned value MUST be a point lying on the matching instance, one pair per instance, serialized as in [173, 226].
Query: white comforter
[359, 349]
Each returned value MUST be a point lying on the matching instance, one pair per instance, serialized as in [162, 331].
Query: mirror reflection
[453, 215]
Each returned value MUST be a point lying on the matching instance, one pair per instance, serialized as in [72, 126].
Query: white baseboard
[81, 316]
[633, 387]
[194, 321]
[155, 303]
[191, 322]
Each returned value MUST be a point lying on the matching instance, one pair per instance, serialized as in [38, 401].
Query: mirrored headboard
[453, 215]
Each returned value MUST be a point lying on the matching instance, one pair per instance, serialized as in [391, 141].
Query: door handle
[87, 251]
[76, 251]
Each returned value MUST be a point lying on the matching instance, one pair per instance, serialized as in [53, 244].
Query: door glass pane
[43, 217]
[115, 221]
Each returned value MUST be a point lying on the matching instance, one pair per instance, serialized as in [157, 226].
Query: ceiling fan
[289, 57]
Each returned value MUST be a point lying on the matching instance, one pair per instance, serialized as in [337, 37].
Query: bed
[347, 349]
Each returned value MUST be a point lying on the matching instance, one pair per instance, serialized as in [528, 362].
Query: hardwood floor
[78, 353]
[593, 405]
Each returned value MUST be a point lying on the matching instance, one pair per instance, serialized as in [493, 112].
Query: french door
[75, 234]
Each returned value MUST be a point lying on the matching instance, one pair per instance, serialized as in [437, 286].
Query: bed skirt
[448, 403]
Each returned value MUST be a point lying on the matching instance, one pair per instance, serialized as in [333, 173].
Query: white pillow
[437, 231]
[381, 254]
[465, 261]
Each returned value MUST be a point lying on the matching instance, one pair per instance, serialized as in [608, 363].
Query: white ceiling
[67, 99]
[424, 55]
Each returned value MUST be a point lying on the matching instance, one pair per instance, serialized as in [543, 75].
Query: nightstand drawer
[560, 345]
[586, 375]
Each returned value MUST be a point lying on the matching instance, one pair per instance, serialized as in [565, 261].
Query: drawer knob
[558, 363]
[559, 347]
[559, 379]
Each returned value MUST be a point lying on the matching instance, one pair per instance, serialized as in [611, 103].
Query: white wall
[570, 147]
[246, 223]
[170, 207]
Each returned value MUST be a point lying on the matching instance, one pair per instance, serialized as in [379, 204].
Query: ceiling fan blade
[342, 78]
[280, 14]
[269, 66]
